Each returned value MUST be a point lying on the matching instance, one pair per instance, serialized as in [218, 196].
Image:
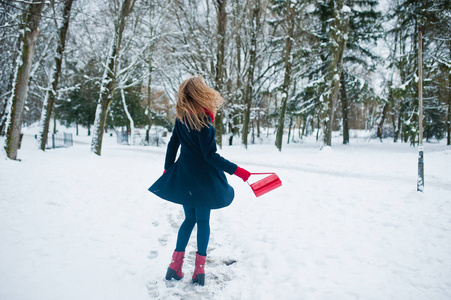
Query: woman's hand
[242, 173]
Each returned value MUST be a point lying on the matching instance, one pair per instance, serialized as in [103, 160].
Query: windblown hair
[194, 100]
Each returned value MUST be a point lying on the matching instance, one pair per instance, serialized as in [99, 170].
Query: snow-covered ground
[346, 224]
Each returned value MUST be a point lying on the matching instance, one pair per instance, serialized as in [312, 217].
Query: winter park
[135, 133]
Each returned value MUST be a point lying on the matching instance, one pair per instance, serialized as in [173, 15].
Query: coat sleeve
[172, 149]
[208, 147]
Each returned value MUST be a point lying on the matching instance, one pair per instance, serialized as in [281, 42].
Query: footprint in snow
[152, 287]
[163, 240]
[172, 222]
[152, 254]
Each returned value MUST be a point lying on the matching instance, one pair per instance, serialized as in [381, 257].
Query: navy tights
[201, 216]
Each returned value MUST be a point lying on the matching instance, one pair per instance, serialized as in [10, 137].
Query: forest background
[285, 68]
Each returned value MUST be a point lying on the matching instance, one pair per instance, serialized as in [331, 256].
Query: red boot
[199, 272]
[175, 268]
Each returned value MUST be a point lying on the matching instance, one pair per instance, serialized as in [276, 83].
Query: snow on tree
[52, 93]
[255, 30]
[109, 77]
[406, 17]
[10, 18]
[15, 105]
[313, 75]
[290, 10]
[338, 37]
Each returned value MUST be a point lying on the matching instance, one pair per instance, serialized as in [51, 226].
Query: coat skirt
[197, 177]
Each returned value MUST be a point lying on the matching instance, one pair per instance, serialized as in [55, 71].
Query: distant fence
[59, 140]
[124, 138]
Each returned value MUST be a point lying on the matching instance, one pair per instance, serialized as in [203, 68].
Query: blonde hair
[194, 99]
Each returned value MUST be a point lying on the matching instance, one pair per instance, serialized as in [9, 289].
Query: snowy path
[347, 224]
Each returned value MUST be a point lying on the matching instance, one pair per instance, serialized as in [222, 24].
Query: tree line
[284, 67]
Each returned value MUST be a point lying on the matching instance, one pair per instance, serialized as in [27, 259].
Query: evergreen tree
[341, 41]
[118, 117]
[408, 16]
[359, 61]
[79, 106]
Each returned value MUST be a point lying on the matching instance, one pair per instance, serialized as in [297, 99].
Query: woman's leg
[203, 229]
[203, 236]
[186, 228]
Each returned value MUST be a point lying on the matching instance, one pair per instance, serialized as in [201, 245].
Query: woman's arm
[172, 149]
[208, 147]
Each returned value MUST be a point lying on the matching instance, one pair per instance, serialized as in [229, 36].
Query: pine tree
[408, 16]
[79, 106]
[358, 59]
[342, 37]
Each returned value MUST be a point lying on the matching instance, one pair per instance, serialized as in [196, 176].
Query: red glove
[164, 171]
[242, 173]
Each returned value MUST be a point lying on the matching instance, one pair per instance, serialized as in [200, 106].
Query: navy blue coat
[197, 178]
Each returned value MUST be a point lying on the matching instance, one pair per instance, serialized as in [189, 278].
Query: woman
[196, 180]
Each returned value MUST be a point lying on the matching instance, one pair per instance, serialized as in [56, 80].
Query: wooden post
[420, 179]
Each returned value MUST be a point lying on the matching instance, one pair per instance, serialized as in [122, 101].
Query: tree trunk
[288, 62]
[149, 84]
[149, 104]
[338, 32]
[258, 123]
[221, 16]
[130, 119]
[396, 126]
[318, 126]
[448, 123]
[289, 129]
[54, 124]
[384, 113]
[16, 103]
[9, 86]
[51, 95]
[250, 71]
[304, 126]
[234, 120]
[109, 79]
[345, 108]
[381, 122]
[2, 121]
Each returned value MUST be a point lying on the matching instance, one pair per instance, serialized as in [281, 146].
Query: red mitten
[242, 173]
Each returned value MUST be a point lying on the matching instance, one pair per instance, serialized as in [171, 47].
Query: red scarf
[210, 114]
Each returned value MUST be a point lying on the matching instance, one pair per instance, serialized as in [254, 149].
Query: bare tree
[109, 78]
[291, 10]
[221, 16]
[16, 103]
[249, 91]
[52, 93]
